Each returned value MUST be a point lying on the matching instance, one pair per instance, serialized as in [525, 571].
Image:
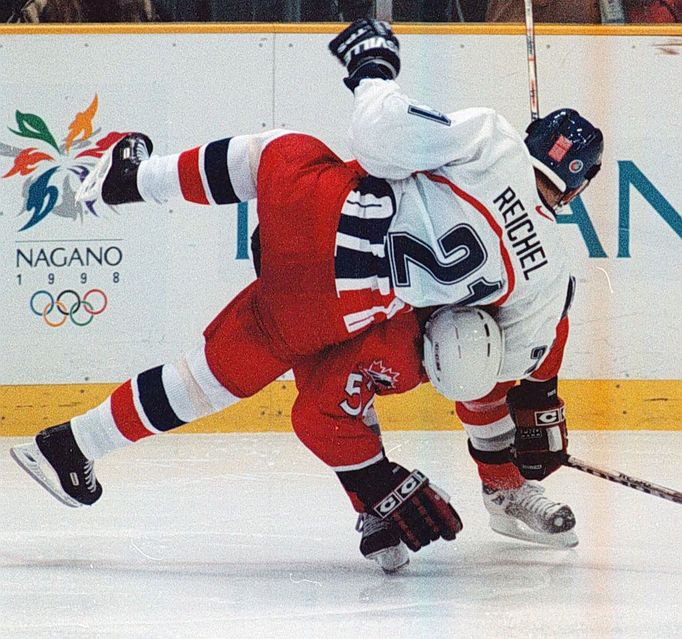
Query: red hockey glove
[540, 442]
[420, 511]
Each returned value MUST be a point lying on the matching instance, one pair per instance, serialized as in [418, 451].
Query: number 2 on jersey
[464, 254]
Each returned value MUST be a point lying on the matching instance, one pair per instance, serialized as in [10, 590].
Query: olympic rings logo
[67, 305]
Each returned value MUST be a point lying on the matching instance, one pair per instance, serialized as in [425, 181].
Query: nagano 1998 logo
[50, 166]
[52, 171]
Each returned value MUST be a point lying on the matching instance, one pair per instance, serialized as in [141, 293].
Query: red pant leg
[238, 350]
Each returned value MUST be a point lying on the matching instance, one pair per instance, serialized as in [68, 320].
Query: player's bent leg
[234, 362]
[517, 507]
[61, 458]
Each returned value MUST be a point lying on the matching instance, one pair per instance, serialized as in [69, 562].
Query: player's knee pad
[192, 389]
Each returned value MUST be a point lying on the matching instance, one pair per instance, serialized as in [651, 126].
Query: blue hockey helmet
[566, 148]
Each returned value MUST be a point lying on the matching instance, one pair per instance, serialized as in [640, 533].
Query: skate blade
[391, 559]
[513, 528]
[29, 457]
[91, 188]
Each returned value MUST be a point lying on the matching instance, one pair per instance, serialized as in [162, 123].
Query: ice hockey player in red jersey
[458, 210]
[291, 312]
[458, 349]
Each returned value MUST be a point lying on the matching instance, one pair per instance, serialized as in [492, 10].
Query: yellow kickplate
[590, 405]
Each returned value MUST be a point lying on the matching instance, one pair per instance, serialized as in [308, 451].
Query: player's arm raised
[391, 135]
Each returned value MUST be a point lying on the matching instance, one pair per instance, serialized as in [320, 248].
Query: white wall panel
[179, 264]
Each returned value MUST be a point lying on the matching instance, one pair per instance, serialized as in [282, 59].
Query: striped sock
[155, 401]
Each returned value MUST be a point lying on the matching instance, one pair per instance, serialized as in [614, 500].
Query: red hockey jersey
[333, 414]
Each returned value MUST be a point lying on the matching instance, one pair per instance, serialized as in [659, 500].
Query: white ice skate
[381, 543]
[525, 513]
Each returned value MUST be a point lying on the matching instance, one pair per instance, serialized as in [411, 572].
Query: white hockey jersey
[470, 227]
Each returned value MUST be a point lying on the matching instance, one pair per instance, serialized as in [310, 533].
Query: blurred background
[552, 11]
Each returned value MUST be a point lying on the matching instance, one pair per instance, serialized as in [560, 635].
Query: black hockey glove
[368, 49]
[421, 511]
[540, 441]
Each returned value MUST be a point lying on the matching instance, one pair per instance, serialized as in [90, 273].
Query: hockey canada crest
[382, 376]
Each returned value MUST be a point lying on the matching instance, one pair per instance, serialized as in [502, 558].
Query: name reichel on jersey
[468, 226]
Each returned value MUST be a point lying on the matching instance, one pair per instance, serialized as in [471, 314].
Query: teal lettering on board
[581, 217]
[630, 175]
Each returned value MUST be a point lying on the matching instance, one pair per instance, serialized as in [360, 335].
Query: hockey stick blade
[625, 480]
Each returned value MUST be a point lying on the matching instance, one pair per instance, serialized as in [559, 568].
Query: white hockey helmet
[463, 349]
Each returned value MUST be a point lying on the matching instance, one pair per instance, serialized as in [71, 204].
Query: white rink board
[179, 265]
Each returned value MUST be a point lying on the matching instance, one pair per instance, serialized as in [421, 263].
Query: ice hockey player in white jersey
[474, 222]
[475, 225]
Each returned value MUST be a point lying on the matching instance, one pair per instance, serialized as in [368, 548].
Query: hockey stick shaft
[383, 10]
[625, 480]
[532, 66]
[612, 11]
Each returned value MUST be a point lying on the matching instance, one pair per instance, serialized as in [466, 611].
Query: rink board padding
[150, 278]
[591, 405]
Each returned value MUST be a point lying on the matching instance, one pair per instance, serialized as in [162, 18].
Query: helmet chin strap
[549, 193]
[570, 195]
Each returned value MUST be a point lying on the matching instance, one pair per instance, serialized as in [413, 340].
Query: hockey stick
[612, 11]
[383, 9]
[532, 67]
[625, 480]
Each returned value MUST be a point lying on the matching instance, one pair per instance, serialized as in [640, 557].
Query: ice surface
[249, 535]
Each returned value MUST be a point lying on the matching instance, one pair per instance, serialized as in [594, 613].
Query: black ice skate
[114, 178]
[525, 513]
[58, 465]
[381, 542]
